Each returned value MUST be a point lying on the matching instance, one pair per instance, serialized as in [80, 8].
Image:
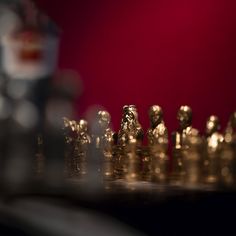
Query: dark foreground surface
[119, 209]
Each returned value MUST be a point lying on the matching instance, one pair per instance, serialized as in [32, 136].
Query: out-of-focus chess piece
[81, 151]
[29, 56]
[228, 153]
[158, 144]
[184, 116]
[40, 158]
[130, 126]
[105, 144]
[192, 159]
[70, 134]
[214, 141]
[132, 160]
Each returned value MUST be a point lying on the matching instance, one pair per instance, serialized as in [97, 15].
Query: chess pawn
[132, 170]
[158, 144]
[79, 163]
[214, 142]
[184, 116]
[192, 159]
[105, 143]
[227, 157]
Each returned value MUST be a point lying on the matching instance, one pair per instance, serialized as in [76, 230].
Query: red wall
[164, 52]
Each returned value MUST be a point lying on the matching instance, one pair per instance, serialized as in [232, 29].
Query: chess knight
[214, 142]
[184, 116]
[158, 144]
[105, 144]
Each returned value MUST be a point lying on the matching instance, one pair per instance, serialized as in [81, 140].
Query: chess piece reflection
[132, 160]
[214, 142]
[82, 142]
[130, 126]
[227, 157]
[158, 144]
[105, 144]
[184, 116]
[192, 159]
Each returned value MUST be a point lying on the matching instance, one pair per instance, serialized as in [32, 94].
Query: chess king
[214, 141]
[184, 116]
[157, 136]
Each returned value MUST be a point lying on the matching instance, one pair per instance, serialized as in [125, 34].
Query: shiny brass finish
[130, 126]
[228, 153]
[83, 140]
[132, 171]
[192, 159]
[209, 159]
[105, 144]
[78, 141]
[214, 143]
[158, 144]
[184, 116]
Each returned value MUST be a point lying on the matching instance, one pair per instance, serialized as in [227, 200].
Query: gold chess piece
[158, 144]
[70, 132]
[105, 144]
[184, 116]
[214, 141]
[130, 126]
[82, 143]
[132, 160]
[192, 158]
[227, 157]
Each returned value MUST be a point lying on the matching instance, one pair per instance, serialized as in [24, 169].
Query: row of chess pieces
[196, 159]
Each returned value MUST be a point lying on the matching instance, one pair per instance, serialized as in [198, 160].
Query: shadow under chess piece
[130, 126]
[132, 161]
[214, 141]
[192, 158]
[227, 157]
[158, 144]
[184, 116]
[105, 145]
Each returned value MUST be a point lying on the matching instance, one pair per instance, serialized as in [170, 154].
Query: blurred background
[150, 52]
[111, 53]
